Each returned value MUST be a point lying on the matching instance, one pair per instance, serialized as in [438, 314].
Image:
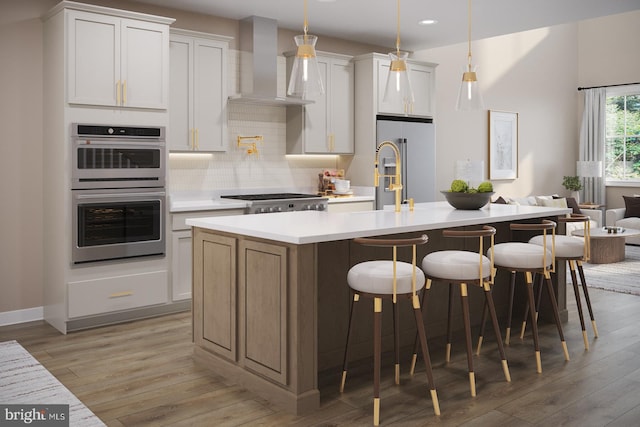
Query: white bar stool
[389, 280]
[462, 268]
[529, 259]
[575, 251]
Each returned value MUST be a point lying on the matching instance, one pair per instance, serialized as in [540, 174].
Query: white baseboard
[21, 316]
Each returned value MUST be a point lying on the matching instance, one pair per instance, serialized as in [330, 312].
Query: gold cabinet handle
[121, 294]
[124, 93]
[331, 142]
[197, 139]
[118, 93]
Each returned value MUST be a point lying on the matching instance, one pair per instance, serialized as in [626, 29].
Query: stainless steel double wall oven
[118, 192]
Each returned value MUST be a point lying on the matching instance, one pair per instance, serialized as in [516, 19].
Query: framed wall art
[503, 145]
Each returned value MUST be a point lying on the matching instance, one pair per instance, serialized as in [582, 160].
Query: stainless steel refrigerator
[415, 139]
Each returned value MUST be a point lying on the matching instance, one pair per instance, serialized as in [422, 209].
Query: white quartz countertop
[304, 227]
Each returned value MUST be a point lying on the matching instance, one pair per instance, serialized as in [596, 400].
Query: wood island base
[271, 314]
[301, 404]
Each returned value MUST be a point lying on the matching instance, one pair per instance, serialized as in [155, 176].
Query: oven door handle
[120, 195]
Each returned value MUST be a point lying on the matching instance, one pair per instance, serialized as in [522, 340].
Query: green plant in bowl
[467, 201]
[461, 196]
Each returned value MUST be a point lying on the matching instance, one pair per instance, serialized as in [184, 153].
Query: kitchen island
[270, 300]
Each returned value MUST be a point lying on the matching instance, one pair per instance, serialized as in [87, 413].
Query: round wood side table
[607, 247]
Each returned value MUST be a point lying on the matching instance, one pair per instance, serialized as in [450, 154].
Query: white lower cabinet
[182, 250]
[182, 275]
[116, 293]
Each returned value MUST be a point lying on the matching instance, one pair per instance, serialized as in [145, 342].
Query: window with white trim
[622, 138]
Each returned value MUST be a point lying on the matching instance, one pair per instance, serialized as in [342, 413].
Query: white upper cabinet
[325, 126]
[117, 62]
[197, 113]
[422, 78]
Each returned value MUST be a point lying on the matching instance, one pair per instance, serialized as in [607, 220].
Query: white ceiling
[374, 21]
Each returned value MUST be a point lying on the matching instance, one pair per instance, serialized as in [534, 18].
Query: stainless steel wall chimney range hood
[258, 46]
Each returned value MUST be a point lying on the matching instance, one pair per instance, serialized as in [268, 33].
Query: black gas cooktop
[269, 196]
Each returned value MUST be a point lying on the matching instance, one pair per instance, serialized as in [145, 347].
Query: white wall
[21, 141]
[534, 74]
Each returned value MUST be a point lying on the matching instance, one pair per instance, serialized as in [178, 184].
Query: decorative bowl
[467, 201]
[342, 185]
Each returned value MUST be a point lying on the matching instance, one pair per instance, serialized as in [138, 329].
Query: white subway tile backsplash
[235, 169]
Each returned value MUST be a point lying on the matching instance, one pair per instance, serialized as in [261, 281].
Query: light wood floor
[142, 373]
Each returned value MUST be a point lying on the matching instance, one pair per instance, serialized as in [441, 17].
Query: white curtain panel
[592, 133]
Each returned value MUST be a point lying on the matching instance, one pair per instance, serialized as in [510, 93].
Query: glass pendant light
[469, 96]
[398, 89]
[305, 81]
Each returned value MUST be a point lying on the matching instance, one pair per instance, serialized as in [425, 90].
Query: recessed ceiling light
[427, 22]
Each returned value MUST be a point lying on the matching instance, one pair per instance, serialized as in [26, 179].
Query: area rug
[623, 276]
[23, 380]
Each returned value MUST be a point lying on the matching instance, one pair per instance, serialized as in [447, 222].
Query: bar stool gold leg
[587, 299]
[480, 339]
[436, 403]
[538, 299]
[414, 358]
[355, 299]
[396, 341]
[496, 327]
[576, 292]
[464, 300]
[377, 338]
[534, 326]
[512, 290]
[425, 353]
[554, 306]
[447, 355]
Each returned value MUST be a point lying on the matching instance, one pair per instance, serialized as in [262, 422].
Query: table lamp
[589, 169]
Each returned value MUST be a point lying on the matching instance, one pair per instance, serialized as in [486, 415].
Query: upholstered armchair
[627, 217]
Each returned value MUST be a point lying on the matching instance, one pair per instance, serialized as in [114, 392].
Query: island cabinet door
[214, 293]
[262, 278]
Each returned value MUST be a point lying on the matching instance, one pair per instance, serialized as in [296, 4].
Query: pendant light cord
[469, 33]
[398, 31]
[306, 22]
